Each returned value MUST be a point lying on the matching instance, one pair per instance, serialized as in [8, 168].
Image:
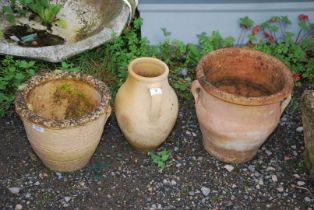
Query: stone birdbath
[86, 25]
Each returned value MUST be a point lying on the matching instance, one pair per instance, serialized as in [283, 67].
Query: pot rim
[148, 60]
[242, 100]
[23, 91]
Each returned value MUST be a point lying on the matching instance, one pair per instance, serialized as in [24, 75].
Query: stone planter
[64, 115]
[307, 106]
[239, 97]
[88, 25]
[146, 105]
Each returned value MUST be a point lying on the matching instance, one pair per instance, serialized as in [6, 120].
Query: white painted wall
[186, 20]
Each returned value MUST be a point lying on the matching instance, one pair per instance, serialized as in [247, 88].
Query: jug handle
[195, 89]
[156, 97]
[285, 103]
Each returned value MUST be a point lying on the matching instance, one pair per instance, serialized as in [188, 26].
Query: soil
[118, 177]
[42, 37]
[242, 88]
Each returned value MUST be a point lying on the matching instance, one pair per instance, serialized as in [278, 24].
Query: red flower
[297, 76]
[256, 29]
[269, 37]
[303, 18]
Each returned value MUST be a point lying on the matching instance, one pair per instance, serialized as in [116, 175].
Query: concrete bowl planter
[64, 116]
[240, 95]
[88, 25]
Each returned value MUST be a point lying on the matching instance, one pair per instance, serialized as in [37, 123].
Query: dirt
[40, 37]
[118, 177]
[242, 88]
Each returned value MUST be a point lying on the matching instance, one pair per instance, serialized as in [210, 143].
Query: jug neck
[148, 70]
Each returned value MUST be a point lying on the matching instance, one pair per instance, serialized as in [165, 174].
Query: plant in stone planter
[43, 8]
[41, 11]
[64, 115]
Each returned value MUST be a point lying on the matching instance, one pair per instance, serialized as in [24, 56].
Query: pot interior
[63, 99]
[245, 73]
[148, 69]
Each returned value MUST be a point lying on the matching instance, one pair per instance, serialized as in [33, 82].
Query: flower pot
[64, 115]
[239, 97]
[307, 106]
[146, 106]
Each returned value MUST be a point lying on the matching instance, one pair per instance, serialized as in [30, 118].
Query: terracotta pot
[64, 115]
[239, 97]
[146, 106]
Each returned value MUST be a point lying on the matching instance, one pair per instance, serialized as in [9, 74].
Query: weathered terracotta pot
[64, 115]
[146, 106]
[239, 97]
[307, 106]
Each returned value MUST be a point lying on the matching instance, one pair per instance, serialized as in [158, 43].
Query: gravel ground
[118, 177]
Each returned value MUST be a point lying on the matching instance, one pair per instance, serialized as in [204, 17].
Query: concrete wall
[187, 18]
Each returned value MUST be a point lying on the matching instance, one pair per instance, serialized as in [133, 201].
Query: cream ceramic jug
[146, 106]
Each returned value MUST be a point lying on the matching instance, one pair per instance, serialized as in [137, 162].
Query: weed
[69, 67]
[12, 74]
[215, 199]
[160, 158]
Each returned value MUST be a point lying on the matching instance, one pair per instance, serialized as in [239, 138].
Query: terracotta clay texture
[146, 106]
[63, 144]
[239, 97]
[307, 105]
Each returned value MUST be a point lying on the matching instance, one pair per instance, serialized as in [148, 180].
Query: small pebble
[67, 198]
[307, 199]
[274, 178]
[15, 190]
[229, 167]
[280, 189]
[300, 183]
[300, 129]
[205, 191]
[191, 193]
[18, 207]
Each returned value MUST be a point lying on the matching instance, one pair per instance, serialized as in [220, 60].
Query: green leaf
[246, 22]
[61, 23]
[285, 20]
[304, 26]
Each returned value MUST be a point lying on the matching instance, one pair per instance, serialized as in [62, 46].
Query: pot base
[227, 155]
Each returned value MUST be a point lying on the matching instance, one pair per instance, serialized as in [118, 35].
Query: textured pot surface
[239, 97]
[307, 105]
[88, 25]
[62, 140]
[146, 106]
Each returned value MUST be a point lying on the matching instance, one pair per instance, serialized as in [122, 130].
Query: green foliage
[296, 54]
[69, 67]
[246, 22]
[160, 158]
[46, 11]
[12, 74]
[121, 50]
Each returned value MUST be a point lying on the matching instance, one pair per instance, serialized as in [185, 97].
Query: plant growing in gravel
[160, 158]
[12, 74]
